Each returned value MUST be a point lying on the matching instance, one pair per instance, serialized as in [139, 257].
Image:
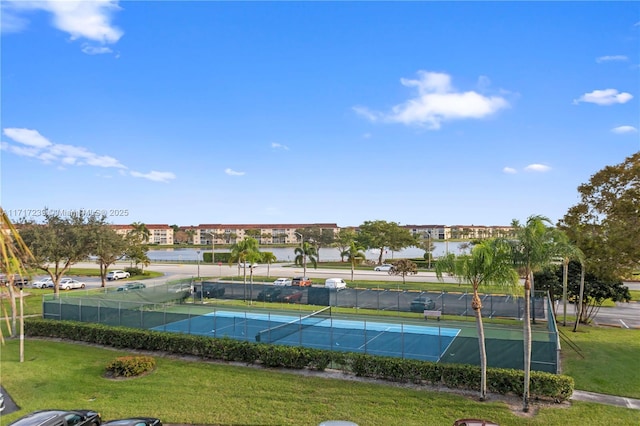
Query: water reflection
[286, 254]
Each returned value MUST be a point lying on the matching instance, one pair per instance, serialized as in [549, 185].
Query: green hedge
[457, 376]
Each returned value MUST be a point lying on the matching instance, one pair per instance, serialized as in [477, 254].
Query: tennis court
[321, 330]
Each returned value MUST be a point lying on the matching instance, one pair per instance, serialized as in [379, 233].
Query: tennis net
[281, 331]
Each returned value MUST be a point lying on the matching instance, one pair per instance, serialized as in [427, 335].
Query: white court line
[371, 340]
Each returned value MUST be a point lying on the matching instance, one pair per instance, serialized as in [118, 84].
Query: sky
[207, 112]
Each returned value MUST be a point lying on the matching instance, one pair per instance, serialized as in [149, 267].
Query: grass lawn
[69, 375]
[610, 363]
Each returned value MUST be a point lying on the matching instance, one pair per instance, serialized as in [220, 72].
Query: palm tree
[490, 262]
[356, 255]
[141, 231]
[307, 251]
[15, 255]
[536, 246]
[268, 258]
[243, 252]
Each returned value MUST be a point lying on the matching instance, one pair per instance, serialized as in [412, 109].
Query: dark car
[270, 295]
[59, 418]
[131, 286]
[18, 280]
[422, 303]
[301, 282]
[135, 421]
[208, 290]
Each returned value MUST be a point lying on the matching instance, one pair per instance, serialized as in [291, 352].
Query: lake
[286, 254]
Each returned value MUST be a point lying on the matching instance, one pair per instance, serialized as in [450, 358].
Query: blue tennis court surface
[322, 331]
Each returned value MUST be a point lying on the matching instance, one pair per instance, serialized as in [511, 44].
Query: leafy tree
[15, 256]
[605, 224]
[428, 246]
[356, 256]
[318, 237]
[596, 290]
[252, 233]
[380, 234]
[191, 233]
[304, 253]
[490, 262]
[136, 251]
[110, 247]
[343, 240]
[404, 267]
[60, 242]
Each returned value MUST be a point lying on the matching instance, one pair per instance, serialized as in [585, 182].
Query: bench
[428, 313]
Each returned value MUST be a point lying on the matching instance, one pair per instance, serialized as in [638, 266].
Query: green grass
[610, 363]
[69, 375]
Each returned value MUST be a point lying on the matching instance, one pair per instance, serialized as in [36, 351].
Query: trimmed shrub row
[456, 376]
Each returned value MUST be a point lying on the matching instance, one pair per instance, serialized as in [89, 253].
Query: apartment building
[265, 233]
[158, 234]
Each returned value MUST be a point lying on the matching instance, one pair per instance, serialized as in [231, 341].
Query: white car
[282, 282]
[43, 283]
[70, 283]
[116, 275]
[385, 267]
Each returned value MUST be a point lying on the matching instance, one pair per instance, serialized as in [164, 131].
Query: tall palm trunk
[527, 342]
[476, 305]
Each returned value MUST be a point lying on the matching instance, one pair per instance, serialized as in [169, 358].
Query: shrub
[130, 366]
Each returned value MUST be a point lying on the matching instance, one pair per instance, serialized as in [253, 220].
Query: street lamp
[304, 255]
[198, 252]
[213, 248]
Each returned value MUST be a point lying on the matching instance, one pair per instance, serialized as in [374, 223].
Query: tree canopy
[380, 234]
[605, 224]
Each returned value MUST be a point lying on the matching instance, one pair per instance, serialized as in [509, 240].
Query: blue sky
[300, 112]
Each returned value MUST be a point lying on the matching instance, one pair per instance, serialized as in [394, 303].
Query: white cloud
[27, 137]
[624, 129]
[509, 170]
[231, 172]
[604, 97]
[611, 58]
[95, 50]
[155, 176]
[89, 20]
[30, 143]
[537, 168]
[276, 145]
[436, 102]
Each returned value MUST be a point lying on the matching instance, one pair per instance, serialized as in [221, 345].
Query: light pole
[198, 253]
[304, 255]
[213, 247]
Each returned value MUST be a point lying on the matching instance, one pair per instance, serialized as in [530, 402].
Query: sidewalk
[619, 401]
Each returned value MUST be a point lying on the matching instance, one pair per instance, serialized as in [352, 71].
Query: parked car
[135, 421]
[208, 290]
[131, 286]
[474, 422]
[270, 294]
[59, 418]
[70, 283]
[301, 282]
[18, 280]
[422, 303]
[116, 275]
[292, 296]
[385, 267]
[43, 283]
[282, 282]
[335, 284]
